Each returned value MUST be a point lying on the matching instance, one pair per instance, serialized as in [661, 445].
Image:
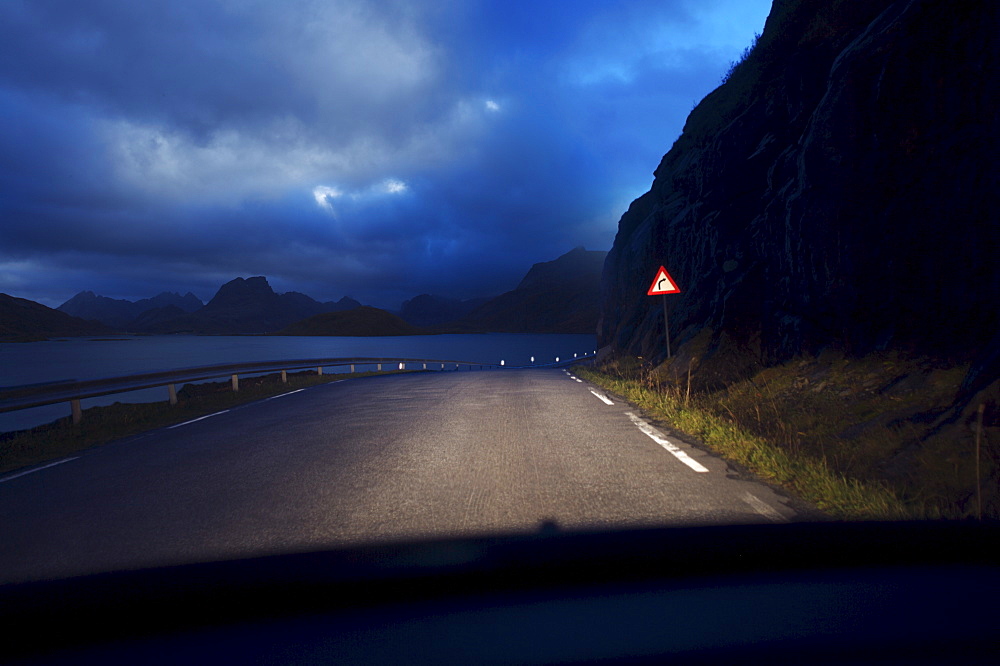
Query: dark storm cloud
[373, 149]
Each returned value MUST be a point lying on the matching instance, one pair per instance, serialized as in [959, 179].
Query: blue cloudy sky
[376, 149]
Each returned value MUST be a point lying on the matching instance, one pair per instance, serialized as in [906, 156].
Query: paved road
[400, 456]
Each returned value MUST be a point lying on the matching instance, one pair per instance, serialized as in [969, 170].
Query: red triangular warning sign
[663, 284]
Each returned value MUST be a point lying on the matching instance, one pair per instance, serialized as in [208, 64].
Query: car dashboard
[800, 593]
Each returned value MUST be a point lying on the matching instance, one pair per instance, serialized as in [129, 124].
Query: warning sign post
[662, 285]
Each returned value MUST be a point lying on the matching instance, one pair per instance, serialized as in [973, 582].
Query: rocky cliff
[839, 189]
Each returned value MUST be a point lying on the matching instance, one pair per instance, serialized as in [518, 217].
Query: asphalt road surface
[383, 458]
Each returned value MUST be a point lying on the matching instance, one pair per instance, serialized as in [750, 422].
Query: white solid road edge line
[282, 395]
[200, 418]
[602, 398]
[761, 507]
[658, 437]
[38, 469]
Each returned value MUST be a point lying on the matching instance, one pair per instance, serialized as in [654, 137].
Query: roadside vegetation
[739, 62]
[100, 425]
[868, 438]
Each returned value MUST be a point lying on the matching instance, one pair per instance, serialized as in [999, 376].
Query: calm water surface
[93, 358]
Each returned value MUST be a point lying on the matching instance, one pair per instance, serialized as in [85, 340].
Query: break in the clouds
[326, 196]
[377, 149]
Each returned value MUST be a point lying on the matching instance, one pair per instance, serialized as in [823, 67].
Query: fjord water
[93, 358]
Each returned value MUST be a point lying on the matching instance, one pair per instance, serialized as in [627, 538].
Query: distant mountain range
[557, 296]
[21, 319]
[249, 306]
[119, 313]
[241, 306]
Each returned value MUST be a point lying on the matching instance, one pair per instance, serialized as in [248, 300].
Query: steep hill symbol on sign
[663, 284]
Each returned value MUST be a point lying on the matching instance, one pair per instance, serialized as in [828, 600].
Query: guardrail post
[352, 368]
[74, 406]
[284, 377]
[235, 380]
[425, 366]
[380, 367]
[319, 371]
[172, 392]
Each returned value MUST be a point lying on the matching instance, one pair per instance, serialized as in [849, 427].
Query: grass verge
[856, 437]
[100, 425]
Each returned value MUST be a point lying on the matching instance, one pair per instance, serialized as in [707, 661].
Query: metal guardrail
[36, 395]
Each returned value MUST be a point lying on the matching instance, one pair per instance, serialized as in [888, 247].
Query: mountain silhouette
[559, 296]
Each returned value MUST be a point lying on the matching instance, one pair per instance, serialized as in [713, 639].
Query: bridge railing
[36, 395]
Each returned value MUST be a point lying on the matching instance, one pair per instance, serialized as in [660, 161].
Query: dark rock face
[186, 303]
[250, 294]
[841, 188]
[154, 317]
[431, 310]
[556, 296]
[344, 304]
[110, 311]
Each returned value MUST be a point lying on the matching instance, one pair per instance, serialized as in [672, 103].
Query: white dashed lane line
[603, 398]
[763, 508]
[660, 439]
[282, 395]
[201, 418]
[758, 505]
[37, 469]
